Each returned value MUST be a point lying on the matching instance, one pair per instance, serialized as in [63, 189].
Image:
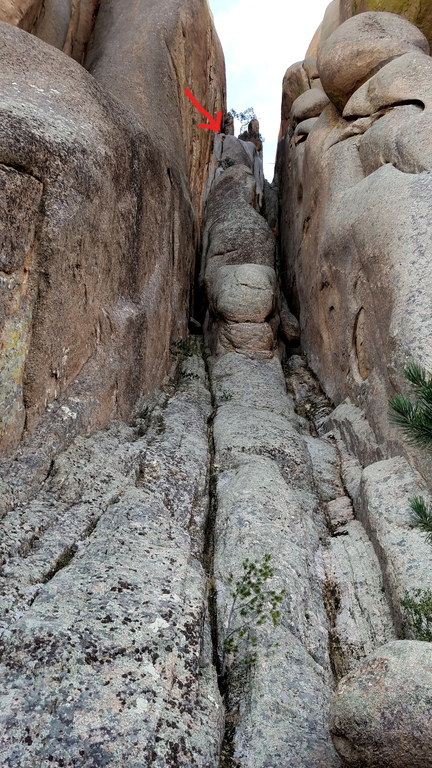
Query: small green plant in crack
[226, 162]
[159, 424]
[418, 614]
[183, 347]
[225, 396]
[252, 605]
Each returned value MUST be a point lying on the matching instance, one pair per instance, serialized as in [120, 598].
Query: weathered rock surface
[381, 712]
[106, 650]
[384, 509]
[20, 13]
[266, 504]
[265, 501]
[119, 550]
[244, 293]
[355, 591]
[20, 202]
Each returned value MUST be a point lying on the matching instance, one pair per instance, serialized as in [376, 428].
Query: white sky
[260, 41]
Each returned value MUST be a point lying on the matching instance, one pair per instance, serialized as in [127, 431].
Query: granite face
[100, 282]
[353, 178]
[106, 647]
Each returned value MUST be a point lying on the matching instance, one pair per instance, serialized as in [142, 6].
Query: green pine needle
[422, 516]
[414, 417]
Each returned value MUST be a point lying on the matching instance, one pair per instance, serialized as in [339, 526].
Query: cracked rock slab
[106, 654]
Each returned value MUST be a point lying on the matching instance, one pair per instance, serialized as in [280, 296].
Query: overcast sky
[260, 41]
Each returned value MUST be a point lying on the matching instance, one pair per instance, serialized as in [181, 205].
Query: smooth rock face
[359, 47]
[419, 14]
[145, 54]
[381, 712]
[105, 258]
[65, 24]
[354, 219]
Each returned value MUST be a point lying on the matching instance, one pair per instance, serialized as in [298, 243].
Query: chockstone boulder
[381, 713]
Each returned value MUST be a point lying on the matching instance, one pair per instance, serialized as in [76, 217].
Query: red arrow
[215, 122]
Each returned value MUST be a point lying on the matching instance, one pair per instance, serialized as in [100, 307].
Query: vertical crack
[227, 759]
[209, 534]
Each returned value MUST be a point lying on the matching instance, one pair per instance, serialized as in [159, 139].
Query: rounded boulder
[381, 713]
[359, 47]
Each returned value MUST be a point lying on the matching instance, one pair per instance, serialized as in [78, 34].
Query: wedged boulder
[254, 339]
[381, 713]
[232, 186]
[289, 324]
[244, 293]
[309, 104]
[240, 238]
[362, 44]
[237, 151]
[238, 256]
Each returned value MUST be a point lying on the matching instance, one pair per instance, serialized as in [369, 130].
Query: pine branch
[422, 516]
[413, 418]
[416, 375]
[421, 381]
